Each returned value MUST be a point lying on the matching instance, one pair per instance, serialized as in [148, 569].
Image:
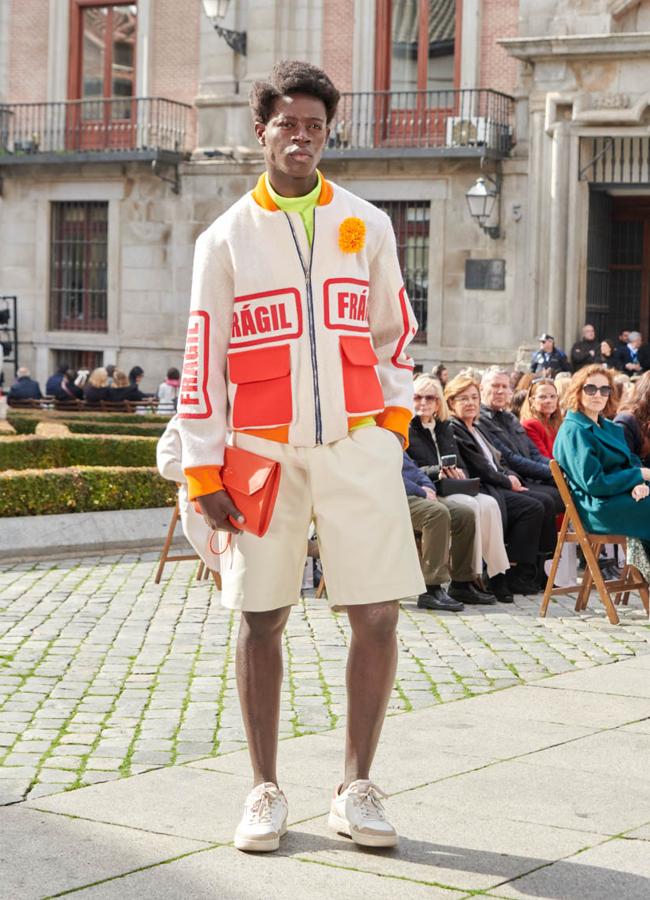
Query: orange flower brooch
[352, 234]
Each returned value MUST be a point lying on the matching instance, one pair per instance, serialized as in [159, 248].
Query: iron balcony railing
[118, 125]
[465, 122]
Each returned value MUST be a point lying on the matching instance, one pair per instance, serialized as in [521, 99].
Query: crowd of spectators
[101, 386]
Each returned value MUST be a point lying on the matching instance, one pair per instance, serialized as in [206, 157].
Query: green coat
[602, 470]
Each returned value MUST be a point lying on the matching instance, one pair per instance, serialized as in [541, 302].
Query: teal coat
[602, 470]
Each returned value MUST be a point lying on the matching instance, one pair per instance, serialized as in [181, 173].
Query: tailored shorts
[353, 490]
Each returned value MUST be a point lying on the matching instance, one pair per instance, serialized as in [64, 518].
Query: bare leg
[259, 681]
[370, 676]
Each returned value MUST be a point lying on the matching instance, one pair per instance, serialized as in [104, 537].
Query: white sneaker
[359, 813]
[264, 820]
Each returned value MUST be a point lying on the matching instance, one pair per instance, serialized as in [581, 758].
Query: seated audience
[606, 355]
[522, 515]
[441, 373]
[548, 360]
[430, 439]
[623, 390]
[584, 351]
[53, 383]
[541, 416]
[120, 388]
[562, 381]
[135, 377]
[96, 387]
[634, 416]
[168, 389]
[68, 389]
[24, 387]
[627, 356]
[517, 401]
[442, 528]
[607, 481]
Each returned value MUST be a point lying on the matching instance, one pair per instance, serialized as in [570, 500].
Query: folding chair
[573, 531]
[165, 556]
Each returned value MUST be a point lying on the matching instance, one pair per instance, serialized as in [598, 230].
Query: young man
[298, 329]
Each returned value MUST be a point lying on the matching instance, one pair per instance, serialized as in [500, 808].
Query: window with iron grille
[78, 266]
[410, 220]
[77, 359]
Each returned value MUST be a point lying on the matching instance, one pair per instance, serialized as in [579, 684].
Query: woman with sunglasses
[431, 438]
[541, 416]
[607, 481]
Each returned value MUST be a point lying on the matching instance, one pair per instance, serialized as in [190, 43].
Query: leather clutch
[447, 487]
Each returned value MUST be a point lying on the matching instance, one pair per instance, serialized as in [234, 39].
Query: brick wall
[498, 20]
[338, 39]
[28, 40]
[175, 50]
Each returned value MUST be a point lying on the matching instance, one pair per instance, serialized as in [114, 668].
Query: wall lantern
[481, 199]
[216, 10]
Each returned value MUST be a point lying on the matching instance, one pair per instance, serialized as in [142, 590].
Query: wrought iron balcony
[99, 130]
[423, 123]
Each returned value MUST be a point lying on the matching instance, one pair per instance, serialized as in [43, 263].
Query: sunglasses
[429, 397]
[592, 389]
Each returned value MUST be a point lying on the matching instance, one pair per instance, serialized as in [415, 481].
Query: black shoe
[519, 584]
[437, 597]
[469, 593]
[498, 584]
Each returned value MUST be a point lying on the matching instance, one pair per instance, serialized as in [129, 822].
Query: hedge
[28, 452]
[98, 428]
[91, 423]
[33, 492]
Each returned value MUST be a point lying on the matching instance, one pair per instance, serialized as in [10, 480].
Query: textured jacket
[292, 342]
[422, 448]
[509, 437]
[477, 464]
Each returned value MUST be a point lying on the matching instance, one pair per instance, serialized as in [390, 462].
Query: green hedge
[60, 452]
[90, 423]
[100, 428]
[32, 492]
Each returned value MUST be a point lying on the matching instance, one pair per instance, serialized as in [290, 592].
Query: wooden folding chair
[573, 531]
[202, 573]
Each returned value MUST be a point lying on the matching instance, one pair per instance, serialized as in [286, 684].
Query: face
[466, 405]
[426, 404]
[546, 346]
[594, 403]
[294, 137]
[544, 400]
[636, 343]
[605, 349]
[496, 393]
[588, 333]
[624, 336]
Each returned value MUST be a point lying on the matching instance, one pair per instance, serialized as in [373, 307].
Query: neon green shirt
[303, 205]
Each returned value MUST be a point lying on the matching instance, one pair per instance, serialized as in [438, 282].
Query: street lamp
[216, 10]
[481, 199]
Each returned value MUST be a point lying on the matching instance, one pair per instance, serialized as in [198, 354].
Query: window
[410, 220]
[415, 47]
[77, 359]
[78, 266]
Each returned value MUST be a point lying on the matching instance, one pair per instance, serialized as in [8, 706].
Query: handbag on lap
[447, 487]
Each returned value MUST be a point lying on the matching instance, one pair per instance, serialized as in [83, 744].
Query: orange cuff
[203, 480]
[396, 418]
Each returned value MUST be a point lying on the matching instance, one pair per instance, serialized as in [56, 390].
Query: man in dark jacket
[519, 452]
[585, 351]
[442, 525]
[548, 360]
[53, 383]
[24, 387]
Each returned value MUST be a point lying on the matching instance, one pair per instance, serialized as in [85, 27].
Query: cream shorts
[354, 492]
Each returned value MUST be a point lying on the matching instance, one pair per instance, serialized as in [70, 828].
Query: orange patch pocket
[263, 387]
[361, 385]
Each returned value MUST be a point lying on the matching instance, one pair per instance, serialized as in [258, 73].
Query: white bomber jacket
[291, 342]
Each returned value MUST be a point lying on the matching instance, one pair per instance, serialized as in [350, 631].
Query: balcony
[422, 123]
[98, 130]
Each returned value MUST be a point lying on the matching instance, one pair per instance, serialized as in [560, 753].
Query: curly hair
[292, 76]
[573, 397]
[639, 403]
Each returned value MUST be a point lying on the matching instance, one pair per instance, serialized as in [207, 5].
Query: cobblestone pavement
[104, 674]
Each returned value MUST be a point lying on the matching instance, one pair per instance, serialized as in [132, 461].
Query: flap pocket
[246, 482]
[262, 364]
[358, 350]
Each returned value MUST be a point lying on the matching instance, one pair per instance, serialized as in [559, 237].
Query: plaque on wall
[485, 274]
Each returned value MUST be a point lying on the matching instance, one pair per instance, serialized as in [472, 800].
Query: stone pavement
[537, 791]
[104, 674]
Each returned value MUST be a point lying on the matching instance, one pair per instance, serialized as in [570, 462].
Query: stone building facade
[103, 194]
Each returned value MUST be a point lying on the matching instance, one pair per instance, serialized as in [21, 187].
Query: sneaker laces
[261, 809]
[367, 798]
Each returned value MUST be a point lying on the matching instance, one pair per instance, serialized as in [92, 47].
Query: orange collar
[263, 198]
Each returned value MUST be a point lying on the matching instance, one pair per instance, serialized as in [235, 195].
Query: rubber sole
[260, 846]
[342, 826]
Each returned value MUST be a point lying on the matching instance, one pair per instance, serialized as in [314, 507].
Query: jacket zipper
[311, 322]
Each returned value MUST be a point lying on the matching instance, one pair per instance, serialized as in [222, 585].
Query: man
[297, 342]
[548, 360]
[522, 456]
[448, 529]
[628, 355]
[53, 383]
[584, 351]
[24, 387]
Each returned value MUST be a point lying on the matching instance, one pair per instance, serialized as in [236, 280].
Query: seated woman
[521, 514]
[541, 416]
[96, 388]
[634, 416]
[607, 480]
[120, 388]
[607, 357]
[430, 438]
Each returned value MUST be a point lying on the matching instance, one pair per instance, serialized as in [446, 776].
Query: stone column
[559, 216]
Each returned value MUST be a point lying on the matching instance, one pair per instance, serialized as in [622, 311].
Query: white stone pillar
[559, 217]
